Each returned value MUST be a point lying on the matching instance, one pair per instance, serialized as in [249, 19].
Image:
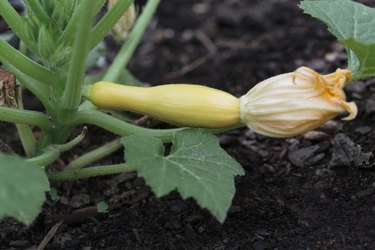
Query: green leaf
[22, 188]
[354, 26]
[54, 195]
[95, 54]
[102, 207]
[196, 166]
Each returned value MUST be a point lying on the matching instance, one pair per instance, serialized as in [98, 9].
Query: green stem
[27, 138]
[120, 127]
[25, 117]
[37, 9]
[95, 154]
[14, 21]
[76, 174]
[40, 90]
[50, 155]
[12, 57]
[72, 143]
[127, 50]
[103, 27]
[72, 94]
[25, 133]
[123, 128]
[69, 33]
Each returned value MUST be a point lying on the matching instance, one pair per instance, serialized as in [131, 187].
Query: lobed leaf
[197, 167]
[22, 188]
[354, 26]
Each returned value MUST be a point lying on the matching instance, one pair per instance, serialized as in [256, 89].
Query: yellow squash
[179, 104]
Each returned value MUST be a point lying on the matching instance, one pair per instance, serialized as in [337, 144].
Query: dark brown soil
[291, 196]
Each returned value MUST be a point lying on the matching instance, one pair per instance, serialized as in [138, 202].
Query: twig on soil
[5, 148]
[51, 233]
[210, 46]
[190, 67]
[76, 217]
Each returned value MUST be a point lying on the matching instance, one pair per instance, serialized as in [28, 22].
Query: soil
[315, 191]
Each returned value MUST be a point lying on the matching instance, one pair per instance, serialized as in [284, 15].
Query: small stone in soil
[370, 106]
[346, 152]
[363, 130]
[315, 159]
[79, 200]
[331, 127]
[67, 241]
[323, 172]
[260, 245]
[121, 178]
[190, 233]
[316, 135]
[300, 156]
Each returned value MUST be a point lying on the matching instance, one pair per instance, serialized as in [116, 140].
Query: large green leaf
[354, 26]
[22, 188]
[196, 166]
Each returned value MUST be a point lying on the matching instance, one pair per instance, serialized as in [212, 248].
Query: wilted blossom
[121, 29]
[293, 103]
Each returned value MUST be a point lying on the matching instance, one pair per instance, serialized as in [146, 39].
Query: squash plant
[58, 37]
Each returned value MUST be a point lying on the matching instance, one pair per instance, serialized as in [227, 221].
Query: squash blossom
[281, 106]
[293, 103]
[123, 26]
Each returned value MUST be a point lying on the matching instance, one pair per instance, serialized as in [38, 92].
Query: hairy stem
[24, 131]
[123, 128]
[127, 50]
[120, 127]
[95, 155]
[37, 9]
[27, 138]
[50, 155]
[14, 21]
[69, 33]
[72, 94]
[25, 117]
[76, 174]
[103, 27]
[9, 56]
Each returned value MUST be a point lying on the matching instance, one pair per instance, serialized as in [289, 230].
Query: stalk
[95, 155]
[76, 174]
[70, 31]
[127, 50]
[25, 133]
[37, 9]
[25, 70]
[15, 59]
[14, 21]
[33, 118]
[123, 128]
[27, 138]
[120, 127]
[72, 94]
[52, 153]
[104, 26]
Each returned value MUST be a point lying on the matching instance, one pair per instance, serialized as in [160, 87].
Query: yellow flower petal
[293, 103]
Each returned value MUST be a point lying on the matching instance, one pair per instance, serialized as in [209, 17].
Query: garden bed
[293, 196]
